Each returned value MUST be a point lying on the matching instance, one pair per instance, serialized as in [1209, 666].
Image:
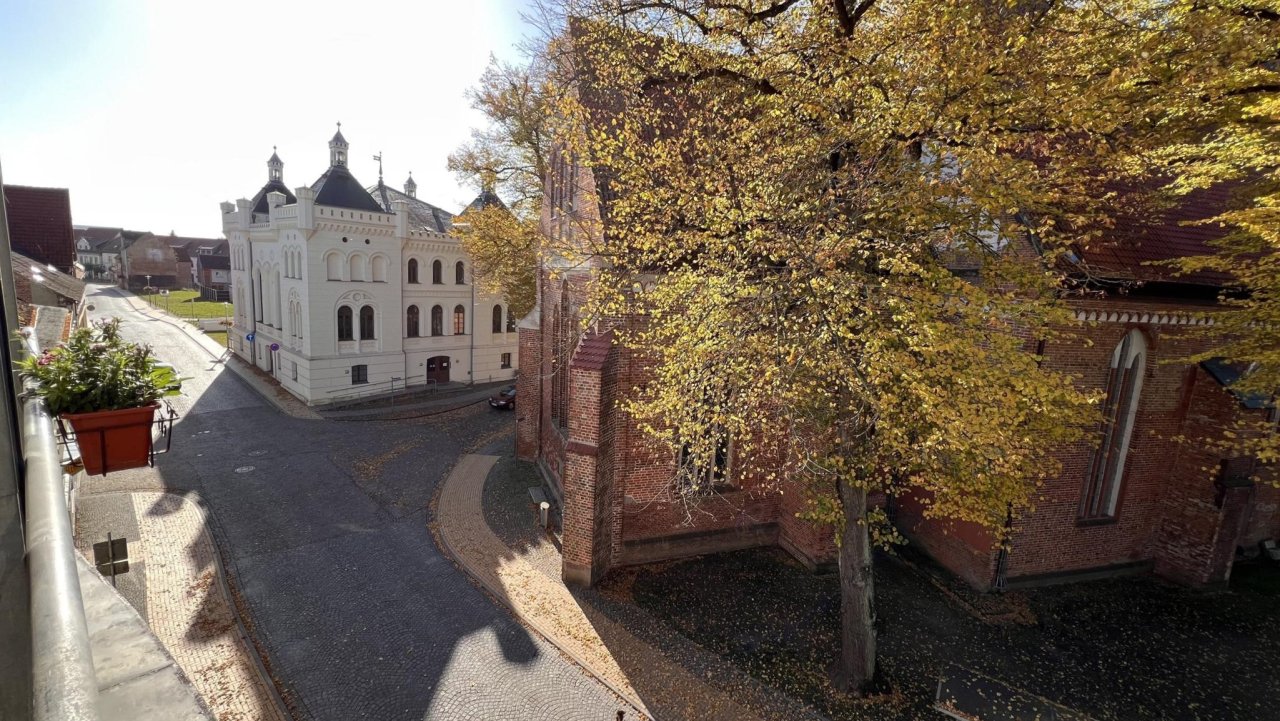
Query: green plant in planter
[98, 370]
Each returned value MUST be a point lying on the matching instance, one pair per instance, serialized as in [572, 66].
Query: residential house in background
[149, 261]
[98, 250]
[1140, 501]
[212, 277]
[40, 225]
[338, 287]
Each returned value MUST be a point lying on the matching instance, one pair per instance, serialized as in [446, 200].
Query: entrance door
[438, 369]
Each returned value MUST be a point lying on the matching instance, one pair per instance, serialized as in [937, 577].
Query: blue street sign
[249, 337]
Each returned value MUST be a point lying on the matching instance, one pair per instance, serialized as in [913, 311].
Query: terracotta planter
[113, 440]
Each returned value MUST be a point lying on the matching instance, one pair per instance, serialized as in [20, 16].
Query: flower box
[113, 440]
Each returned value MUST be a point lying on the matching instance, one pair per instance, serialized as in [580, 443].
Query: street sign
[275, 346]
[249, 337]
[111, 557]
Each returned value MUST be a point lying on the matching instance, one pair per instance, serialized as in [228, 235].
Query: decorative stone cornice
[1141, 316]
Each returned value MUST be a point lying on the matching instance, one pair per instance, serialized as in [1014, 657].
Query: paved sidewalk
[176, 582]
[260, 382]
[595, 642]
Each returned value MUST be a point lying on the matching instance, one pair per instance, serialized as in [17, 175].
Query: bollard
[543, 510]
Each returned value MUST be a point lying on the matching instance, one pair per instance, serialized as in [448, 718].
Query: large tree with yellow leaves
[842, 222]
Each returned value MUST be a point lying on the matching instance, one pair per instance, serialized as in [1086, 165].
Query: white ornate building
[340, 288]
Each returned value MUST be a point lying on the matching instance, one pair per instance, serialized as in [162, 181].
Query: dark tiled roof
[259, 202]
[213, 262]
[421, 214]
[98, 236]
[1227, 374]
[40, 224]
[64, 285]
[180, 252]
[338, 188]
[1136, 241]
[486, 199]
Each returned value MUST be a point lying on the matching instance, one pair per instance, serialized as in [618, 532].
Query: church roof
[422, 215]
[260, 200]
[486, 199]
[338, 188]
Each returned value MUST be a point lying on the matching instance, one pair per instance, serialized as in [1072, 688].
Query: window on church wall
[413, 270]
[437, 272]
[366, 323]
[704, 468]
[345, 326]
[437, 320]
[379, 269]
[357, 268]
[333, 266]
[411, 322]
[459, 273]
[459, 320]
[1101, 493]
[497, 319]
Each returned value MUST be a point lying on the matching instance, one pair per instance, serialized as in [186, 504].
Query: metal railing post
[64, 684]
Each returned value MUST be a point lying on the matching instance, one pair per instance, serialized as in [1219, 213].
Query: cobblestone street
[322, 528]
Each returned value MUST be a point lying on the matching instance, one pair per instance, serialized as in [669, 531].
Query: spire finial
[410, 187]
[378, 158]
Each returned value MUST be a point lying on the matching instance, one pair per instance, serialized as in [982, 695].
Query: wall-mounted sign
[249, 337]
[275, 346]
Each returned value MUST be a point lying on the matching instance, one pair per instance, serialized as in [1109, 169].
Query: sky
[152, 113]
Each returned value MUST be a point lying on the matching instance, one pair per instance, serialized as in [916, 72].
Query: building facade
[1148, 494]
[340, 290]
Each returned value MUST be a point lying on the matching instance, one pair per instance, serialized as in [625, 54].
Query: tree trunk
[857, 662]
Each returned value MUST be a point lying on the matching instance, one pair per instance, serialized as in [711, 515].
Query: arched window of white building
[379, 269]
[357, 267]
[367, 323]
[333, 266]
[413, 270]
[1101, 495]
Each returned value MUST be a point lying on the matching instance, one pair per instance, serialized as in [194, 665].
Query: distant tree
[844, 223]
[508, 157]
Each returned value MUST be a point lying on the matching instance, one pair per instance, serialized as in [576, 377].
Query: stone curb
[247, 641]
[500, 596]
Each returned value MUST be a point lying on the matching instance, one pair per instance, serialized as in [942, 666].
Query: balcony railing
[64, 686]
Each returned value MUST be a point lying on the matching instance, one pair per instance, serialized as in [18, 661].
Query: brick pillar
[529, 394]
[587, 545]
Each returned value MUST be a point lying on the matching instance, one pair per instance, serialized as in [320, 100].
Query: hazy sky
[154, 112]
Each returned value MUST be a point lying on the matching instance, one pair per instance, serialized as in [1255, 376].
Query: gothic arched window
[459, 320]
[413, 270]
[437, 272]
[497, 319]
[1101, 494]
[460, 273]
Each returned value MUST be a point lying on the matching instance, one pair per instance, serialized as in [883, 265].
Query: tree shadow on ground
[1116, 649]
[349, 603]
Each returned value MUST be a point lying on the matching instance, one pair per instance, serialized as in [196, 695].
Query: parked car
[505, 398]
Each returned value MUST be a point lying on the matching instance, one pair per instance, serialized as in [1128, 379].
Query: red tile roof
[593, 351]
[1134, 243]
[40, 224]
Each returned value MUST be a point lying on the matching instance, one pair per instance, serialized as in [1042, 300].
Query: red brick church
[1138, 502]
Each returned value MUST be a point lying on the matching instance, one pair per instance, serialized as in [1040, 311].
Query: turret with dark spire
[275, 166]
[410, 187]
[338, 149]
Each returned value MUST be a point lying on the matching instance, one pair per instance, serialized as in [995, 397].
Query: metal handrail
[64, 685]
